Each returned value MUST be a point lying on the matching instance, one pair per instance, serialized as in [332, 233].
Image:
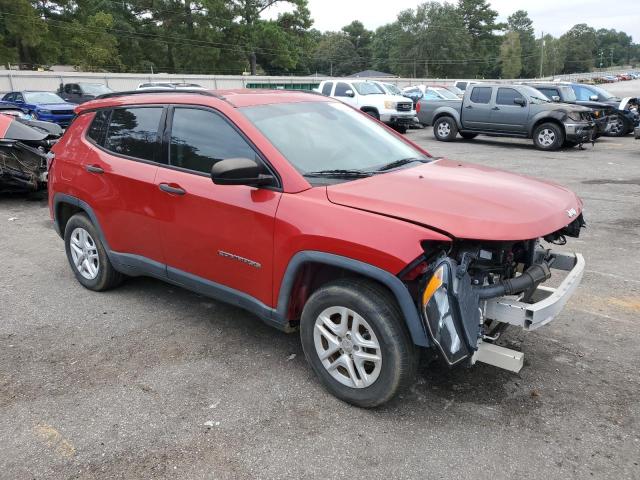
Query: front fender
[554, 115]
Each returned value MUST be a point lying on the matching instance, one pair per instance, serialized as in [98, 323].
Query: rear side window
[99, 126]
[506, 96]
[200, 138]
[134, 132]
[481, 94]
[549, 92]
[326, 88]
[341, 89]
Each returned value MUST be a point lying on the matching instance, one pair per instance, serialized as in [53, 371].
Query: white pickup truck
[394, 110]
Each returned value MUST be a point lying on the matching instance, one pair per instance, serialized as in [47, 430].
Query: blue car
[46, 106]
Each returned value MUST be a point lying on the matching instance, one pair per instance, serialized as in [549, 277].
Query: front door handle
[94, 169]
[468, 106]
[165, 187]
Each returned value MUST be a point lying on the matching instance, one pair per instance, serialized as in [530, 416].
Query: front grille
[62, 112]
[404, 107]
[588, 116]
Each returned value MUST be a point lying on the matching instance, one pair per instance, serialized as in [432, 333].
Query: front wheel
[548, 136]
[400, 128]
[617, 127]
[353, 336]
[445, 129]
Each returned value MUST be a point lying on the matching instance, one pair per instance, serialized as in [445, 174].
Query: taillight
[418, 107]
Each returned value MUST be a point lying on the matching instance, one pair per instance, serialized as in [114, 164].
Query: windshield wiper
[338, 173]
[401, 162]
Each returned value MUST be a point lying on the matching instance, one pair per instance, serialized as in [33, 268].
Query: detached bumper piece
[580, 132]
[22, 168]
[546, 302]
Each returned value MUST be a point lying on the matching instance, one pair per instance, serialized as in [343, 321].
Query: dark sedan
[46, 106]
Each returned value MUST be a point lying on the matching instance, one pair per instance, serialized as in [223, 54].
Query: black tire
[379, 309]
[445, 129]
[548, 136]
[468, 136]
[618, 128]
[106, 277]
[400, 129]
[372, 113]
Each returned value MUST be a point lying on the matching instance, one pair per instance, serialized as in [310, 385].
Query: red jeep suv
[313, 216]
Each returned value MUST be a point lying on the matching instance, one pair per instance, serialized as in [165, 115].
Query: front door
[508, 116]
[217, 233]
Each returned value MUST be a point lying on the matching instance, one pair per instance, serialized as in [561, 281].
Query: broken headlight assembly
[451, 311]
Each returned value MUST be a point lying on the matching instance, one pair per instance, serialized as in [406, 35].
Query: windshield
[534, 95]
[392, 89]
[42, 97]
[316, 136]
[367, 88]
[443, 92]
[95, 88]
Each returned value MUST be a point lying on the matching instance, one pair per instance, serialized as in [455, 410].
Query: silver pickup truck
[510, 111]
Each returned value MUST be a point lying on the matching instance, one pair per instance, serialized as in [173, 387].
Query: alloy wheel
[546, 137]
[84, 253]
[444, 129]
[347, 347]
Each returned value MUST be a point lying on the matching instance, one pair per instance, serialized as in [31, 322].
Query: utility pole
[611, 65]
[601, 54]
[414, 68]
[541, 52]
[331, 69]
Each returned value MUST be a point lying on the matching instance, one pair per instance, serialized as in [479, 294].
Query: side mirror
[593, 98]
[555, 98]
[349, 93]
[240, 171]
[520, 101]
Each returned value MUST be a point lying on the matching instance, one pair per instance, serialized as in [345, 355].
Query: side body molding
[135, 265]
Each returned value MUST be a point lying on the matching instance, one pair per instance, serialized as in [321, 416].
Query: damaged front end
[472, 291]
[24, 145]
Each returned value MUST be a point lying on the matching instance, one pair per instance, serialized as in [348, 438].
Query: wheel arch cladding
[393, 283]
[64, 205]
[556, 118]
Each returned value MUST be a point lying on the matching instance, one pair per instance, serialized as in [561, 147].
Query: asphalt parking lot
[151, 381]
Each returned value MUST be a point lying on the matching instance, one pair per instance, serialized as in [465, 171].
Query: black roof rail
[158, 90]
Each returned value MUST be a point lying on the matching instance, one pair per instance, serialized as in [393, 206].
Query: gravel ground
[151, 381]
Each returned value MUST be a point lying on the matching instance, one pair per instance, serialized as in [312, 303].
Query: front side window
[341, 89]
[200, 138]
[507, 96]
[134, 132]
[582, 93]
[326, 88]
[316, 136]
[481, 94]
[367, 88]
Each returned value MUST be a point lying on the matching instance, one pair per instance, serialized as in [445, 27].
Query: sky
[550, 16]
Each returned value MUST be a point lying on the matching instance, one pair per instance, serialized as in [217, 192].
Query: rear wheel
[548, 136]
[445, 129]
[87, 255]
[354, 338]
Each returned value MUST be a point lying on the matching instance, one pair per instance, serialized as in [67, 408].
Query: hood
[56, 106]
[464, 200]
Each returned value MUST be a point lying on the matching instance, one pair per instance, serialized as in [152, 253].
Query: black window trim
[166, 142]
[512, 104]
[491, 95]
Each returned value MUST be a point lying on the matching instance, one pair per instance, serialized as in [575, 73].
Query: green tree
[553, 56]
[511, 55]
[91, 46]
[579, 46]
[21, 31]
[520, 23]
[336, 55]
[613, 47]
[361, 38]
[481, 23]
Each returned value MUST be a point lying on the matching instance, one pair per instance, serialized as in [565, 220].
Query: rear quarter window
[98, 126]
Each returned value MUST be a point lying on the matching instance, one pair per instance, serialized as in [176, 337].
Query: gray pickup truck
[510, 111]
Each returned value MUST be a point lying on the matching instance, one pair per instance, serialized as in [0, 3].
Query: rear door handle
[495, 108]
[165, 187]
[94, 169]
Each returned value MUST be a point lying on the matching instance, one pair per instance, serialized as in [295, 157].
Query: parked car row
[621, 77]
[552, 114]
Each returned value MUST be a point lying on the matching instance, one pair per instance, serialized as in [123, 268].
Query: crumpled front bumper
[581, 132]
[546, 302]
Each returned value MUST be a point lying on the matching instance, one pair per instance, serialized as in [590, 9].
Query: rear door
[117, 177]
[506, 115]
[476, 108]
[217, 233]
